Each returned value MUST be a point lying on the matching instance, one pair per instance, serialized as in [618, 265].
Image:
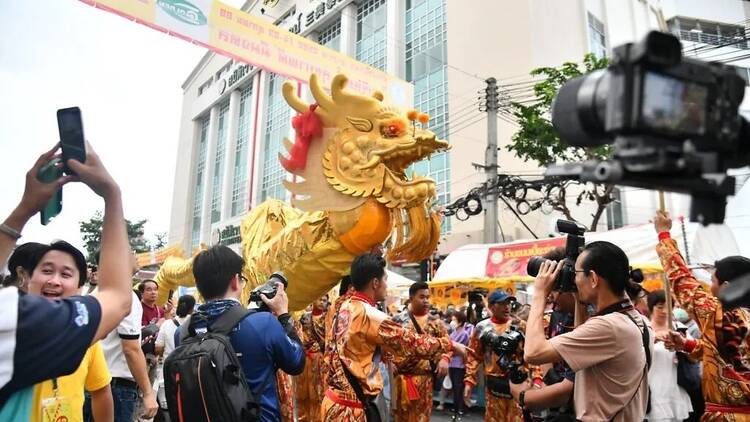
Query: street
[477, 414]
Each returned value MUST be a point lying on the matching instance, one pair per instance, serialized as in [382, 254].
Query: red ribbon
[307, 126]
[411, 389]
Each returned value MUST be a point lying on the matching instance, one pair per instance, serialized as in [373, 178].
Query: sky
[125, 77]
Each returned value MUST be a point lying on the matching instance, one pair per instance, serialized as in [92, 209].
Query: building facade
[234, 117]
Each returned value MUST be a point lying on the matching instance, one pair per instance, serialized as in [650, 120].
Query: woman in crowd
[669, 401]
[457, 367]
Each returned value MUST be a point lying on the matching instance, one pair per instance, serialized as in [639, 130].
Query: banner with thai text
[231, 32]
[511, 260]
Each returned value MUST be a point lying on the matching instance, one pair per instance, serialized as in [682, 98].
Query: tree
[161, 241]
[537, 140]
[91, 232]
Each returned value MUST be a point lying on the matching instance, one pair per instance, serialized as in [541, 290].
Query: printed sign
[511, 260]
[244, 37]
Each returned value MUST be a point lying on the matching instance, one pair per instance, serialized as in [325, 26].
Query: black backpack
[203, 377]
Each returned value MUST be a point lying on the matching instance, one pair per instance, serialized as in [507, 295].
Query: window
[331, 36]
[218, 176]
[239, 184]
[200, 168]
[371, 33]
[426, 68]
[277, 128]
[597, 39]
[707, 32]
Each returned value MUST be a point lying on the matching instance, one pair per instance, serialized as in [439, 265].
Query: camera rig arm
[708, 191]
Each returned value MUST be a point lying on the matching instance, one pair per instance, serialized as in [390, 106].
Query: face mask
[454, 325]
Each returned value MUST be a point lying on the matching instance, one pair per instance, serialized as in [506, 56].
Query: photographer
[500, 404]
[552, 401]
[726, 373]
[264, 341]
[611, 381]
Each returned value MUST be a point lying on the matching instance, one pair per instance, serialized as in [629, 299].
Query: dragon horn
[292, 99]
[323, 99]
[337, 89]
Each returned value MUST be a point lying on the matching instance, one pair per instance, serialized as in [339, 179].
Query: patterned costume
[724, 347]
[355, 339]
[285, 391]
[413, 377]
[310, 387]
[499, 409]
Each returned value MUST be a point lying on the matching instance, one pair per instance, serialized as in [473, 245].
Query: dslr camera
[509, 346]
[673, 121]
[574, 243]
[269, 289]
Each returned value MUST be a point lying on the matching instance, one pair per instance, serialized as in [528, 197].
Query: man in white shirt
[165, 339]
[127, 364]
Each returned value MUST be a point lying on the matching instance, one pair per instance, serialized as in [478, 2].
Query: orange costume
[354, 342]
[724, 346]
[498, 408]
[413, 377]
[310, 387]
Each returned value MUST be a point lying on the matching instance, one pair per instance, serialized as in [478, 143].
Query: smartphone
[70, 125]
[48, 174]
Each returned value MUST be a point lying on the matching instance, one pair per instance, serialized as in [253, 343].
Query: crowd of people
[82, 343]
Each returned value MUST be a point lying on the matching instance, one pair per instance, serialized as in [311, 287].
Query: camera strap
[624, 307]
[414, 322]
[371, 414]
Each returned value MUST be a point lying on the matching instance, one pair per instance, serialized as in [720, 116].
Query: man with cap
[500, 405]
[723, 346]
[413, 376]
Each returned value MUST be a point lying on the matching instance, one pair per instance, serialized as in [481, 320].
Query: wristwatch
[522, 399]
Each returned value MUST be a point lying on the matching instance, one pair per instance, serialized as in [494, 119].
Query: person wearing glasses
[264, 341]
[610, 352]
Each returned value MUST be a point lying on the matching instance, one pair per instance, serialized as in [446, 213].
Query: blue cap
[499, 295]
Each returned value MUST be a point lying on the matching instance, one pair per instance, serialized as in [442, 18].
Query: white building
[234, 117]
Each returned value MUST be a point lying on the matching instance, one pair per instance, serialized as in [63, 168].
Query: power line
[466, 126]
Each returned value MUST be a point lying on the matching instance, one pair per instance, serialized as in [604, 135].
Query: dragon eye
[392, 129]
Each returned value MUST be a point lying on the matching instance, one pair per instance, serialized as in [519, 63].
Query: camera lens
[532, 268]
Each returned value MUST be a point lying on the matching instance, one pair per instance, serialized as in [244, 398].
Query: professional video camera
[509, 346]
[573, 245]
[269, 289]
[674, 123]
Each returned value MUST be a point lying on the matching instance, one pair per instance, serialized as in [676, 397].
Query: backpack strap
[175, 322]
[228, 320]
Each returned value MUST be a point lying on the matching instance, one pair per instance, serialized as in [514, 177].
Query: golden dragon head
[363, 153]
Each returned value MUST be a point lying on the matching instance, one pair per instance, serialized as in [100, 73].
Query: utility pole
[490, 161]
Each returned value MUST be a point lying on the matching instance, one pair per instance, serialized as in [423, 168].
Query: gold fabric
[723, 383]
[355, 171]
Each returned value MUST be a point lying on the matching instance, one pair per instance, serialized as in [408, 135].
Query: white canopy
[705, 245]
[397, 284]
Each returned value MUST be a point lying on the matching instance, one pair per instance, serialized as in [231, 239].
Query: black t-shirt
[42, 339]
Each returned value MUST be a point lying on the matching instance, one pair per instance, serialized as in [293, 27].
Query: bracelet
[522, 399]
[10, 231]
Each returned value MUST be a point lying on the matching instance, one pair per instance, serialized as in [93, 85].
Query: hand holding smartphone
[70, 126]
